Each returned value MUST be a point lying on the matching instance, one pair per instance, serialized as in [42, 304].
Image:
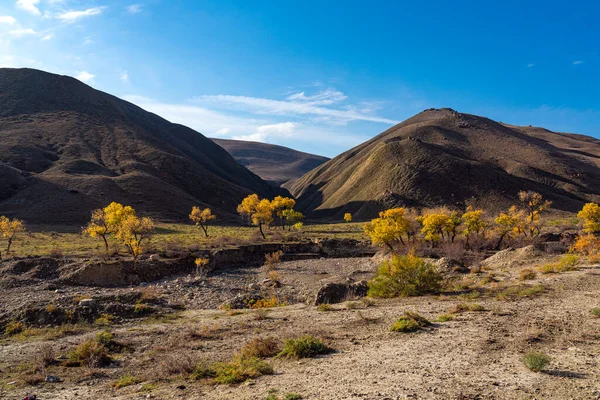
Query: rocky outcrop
[333, 293]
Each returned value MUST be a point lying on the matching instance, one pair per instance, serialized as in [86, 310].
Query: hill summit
[66, 148]
[443, 157]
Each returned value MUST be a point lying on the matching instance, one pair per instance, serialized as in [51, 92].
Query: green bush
[405, 276]
[595, 312]
[13, 328]
[445, 318]
[304, 347]
[536, 361]
[409, 322]
[240, 369]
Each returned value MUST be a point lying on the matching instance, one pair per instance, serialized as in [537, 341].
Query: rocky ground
[476, 355]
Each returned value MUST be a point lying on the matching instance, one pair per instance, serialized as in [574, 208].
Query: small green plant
[14, 328]
[445, 318]
[203, 371]
[240, 369]
[141, 308]
[405, 276]
[526, 274]
[304, 347]
[409, 322]
[595, 312]
[90, 353]
[105, 319]
[261, 347]
[521, 291]
[292, 396]
[536, 361]
[324, 307]
[126, 380]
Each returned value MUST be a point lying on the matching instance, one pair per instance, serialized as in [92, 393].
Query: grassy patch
[325, 307]
[520, 291]
[126, 380]
[240, 369]
[526, 274]
[261, 348]
[567, 262]
[304, 347]
[536, 361]
[445, 318]
[464, 307]
[595, 312]
[410, 322]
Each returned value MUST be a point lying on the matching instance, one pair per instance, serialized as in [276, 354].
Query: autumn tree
[509, 224]
[257, 211]
[281, 204]
[132, 231]
[202, 217]
[292, 217]
[473, 223]
[533, 204]
[452, 224]
[389, 228]
[348, 217]
[106, 221]
[9, 229]
[590, 214]
[434, 226]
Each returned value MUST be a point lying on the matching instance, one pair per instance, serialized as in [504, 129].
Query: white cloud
[22, 32]
[283, 129]
[85, 76]
[577, 62]
[48, 36]
[30, 6]
[124, 76]
[7, 20]
[530, 65]
[134, 8]
[222, 132]
[297, 105]
[72, 16]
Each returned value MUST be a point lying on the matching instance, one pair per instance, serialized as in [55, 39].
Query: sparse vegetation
[304, 347]
[526, 274]
[126, 380]
[325, 307]
[202, 218]
[445, 318]
[405, 276]
[10, 229]
[240, 369]
[409, 322]
[536, 361]
[595, 312]
[261, 347]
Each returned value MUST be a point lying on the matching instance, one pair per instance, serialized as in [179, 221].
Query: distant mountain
[272, 163]
[443, 157]
[66, 149]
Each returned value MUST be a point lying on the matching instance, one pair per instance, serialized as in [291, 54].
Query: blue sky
[320, 76]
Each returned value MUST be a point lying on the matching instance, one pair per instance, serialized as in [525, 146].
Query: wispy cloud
[298, 104]
[48, 37]
[530, 65]
[7, 20]
[577, 62]
[30, 6]
[134, 8]
[22, 32]
[283, 129]
[124, 76]
[85, 76]
[72, 16]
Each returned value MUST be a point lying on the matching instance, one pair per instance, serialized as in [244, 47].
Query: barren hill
[443, 157]
[66, 149]
[277, 164]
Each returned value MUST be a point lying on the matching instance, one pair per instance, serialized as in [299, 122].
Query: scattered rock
[243, 300]
[333, 293]
[53, 379]
[89, 303]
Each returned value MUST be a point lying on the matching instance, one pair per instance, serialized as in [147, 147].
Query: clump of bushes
[261, 347]
[410, 322]
[445, 318]
[14, 328]
[464, 307]
[240, 369]
[405, 276]
[568, 262]
[94, 352]
[526, 274]
[304, 347]
[126, 380]
[536, 361]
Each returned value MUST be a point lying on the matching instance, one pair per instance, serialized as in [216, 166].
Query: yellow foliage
[132, 231]
[534, 205]
[9, 229]
[106, 221]
[293, 217]
[586, 244]
[348, 217]
[590, 213]
[434, 226]
[509, 224]
[258, 211]
[202, 217]
[388, 228]
[200, 264]
[473, 222]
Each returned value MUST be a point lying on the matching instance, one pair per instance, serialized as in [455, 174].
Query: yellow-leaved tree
[9, 229]
[281, 204]
[434, 226]
[348, 217]
[590, 214]
[473, 223]
[293, 217]
[509, 224]
[389, 228]
[132, 231]
[106, 221]
[257, 211]
[202, 217]
[534, 204]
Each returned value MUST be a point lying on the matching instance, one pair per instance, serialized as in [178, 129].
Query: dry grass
[261, 347]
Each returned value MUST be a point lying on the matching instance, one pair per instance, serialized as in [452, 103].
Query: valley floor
[476, 355]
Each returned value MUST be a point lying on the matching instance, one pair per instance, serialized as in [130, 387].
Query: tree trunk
[8, 247]
[205, 229]
[500, 241]
[105, 244]
[261, 231]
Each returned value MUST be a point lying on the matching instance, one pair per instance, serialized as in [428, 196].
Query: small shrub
[595, 312]
[271, 302]
[45, 355]
[261, 347]
[405, 276]
[178, 364]
[56, 252]
[325, 307]
[520, 291]
[445, 318]
[272, 259]
[105, 319]
[202, 266]
[50, 308]
[141, 308]
[261, 314]
[526, 274]
[91, 353]
[568, 262]
[546, 269]
[203, 371]
[14, 328]
[409, 322]
[464, 307]
[304, 347]
[126, 380]
[240, 369]
[536, 361]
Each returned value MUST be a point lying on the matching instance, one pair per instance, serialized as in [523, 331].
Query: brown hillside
[66, 149]
[277, 164]
[442, 157]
